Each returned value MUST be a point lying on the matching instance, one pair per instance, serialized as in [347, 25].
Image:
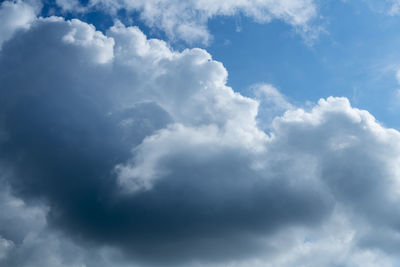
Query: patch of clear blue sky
[356, 58]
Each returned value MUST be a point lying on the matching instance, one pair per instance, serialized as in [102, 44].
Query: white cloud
[271, 104]
[70, 5]
[271, 95]
[397, 93]
[5, 247]
[395, 7]
[188, 20]
[84, 35]
[387, 7]
[398, 76]
[14, 16]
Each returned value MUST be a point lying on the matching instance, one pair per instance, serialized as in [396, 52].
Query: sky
[199, 133]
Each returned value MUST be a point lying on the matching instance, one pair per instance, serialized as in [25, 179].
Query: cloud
[70, 5]
[272, 103]
[27, 239]
[397, 76]
[388, 7]
[395, 7]
[15, 16]
[117, 150]
[187, 20]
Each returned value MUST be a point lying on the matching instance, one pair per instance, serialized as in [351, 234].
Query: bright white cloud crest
[194, 162]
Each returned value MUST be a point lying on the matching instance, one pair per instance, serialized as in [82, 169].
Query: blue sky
[199, 133]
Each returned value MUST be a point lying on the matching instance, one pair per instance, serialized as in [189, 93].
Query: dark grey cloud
[114, 148]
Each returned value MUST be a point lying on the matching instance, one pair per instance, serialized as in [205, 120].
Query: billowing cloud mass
[188, 20]
[116, 150]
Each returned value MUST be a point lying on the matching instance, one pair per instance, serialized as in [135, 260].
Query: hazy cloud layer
[116, 150]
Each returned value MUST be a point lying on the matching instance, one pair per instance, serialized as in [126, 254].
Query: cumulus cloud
[117, 150]
[15, 16]
[188, 20]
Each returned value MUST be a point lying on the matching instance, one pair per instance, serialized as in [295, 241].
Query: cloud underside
[116, 150]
